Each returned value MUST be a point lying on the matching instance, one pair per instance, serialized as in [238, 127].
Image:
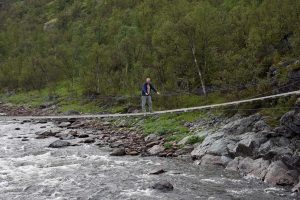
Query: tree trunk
[198, 69]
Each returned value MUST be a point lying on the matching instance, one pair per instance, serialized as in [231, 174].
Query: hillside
[92, 48]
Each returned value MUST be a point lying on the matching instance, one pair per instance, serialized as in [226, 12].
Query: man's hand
[158, 93]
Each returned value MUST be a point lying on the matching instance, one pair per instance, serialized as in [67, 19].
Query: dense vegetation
[108, 47]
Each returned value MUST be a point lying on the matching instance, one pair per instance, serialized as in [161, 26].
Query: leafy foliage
[109, 47]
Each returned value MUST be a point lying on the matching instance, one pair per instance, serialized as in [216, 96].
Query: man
[146, 95]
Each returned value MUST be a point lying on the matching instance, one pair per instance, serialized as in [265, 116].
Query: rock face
[248, 145]
[59, 144]
[163, 186]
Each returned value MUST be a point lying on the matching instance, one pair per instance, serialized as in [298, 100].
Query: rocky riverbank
[246, 144]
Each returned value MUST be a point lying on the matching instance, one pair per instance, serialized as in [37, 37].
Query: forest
[108, 47]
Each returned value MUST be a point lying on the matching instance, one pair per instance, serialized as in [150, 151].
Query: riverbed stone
[118, 152]
[151, 138]
[45, 134]
[156, 149]
[163, 186]
[279, 174]
[157, 172]
[59, 144]
[64, 124]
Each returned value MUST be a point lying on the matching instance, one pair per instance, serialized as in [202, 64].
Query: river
[29, 170]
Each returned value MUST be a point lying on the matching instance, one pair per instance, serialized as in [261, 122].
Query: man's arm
[154, 89]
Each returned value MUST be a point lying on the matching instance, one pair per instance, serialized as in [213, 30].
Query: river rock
[83, 135]
[163, 186]
[220, 147]
[151, 138]
[45, 134]
[157, 172]
[64, 124]
[208, 160]
[118, 152]
[66, 136]
[156, 149]
[279, 174]
[59, 144]
[88, 141]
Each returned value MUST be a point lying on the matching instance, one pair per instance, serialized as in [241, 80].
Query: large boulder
[291, 120]
[202, 148]
[249, 167]
[59, 144]
[279, 174]
[220, 147]
[241, 125]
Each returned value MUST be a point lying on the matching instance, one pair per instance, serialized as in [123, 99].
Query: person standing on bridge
[146, 95]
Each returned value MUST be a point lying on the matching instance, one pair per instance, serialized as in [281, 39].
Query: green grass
[195, 139]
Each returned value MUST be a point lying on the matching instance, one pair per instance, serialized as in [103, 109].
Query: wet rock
[256, 168]
[163, 186]
[25, 139]
[59, 144]
[45, 134]
[151, 138]
[17, 129]
[83, 136]
[118, 152]
[66, 136]
[64, 124]
[132, 153]
[157, 172]
[279, 174]
[156, 149]
[185, 150]
[208, 160]
[117, 144]
[88, 141]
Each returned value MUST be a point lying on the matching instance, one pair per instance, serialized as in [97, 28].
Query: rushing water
[29, 170]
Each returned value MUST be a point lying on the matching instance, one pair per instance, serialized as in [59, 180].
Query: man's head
[148, 80]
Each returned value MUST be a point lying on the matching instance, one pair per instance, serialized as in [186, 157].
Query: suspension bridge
[180, 110]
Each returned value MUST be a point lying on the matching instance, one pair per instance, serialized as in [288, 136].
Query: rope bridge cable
[297, 92]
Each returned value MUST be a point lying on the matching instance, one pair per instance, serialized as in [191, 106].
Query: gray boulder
[118, 152]
[156, 149]
[59, 144]
[296, 188]
[291, 120]
[242, 125]
[151, 138]
[279, 174]
[64, 124]
[163, 186]
[208, 160]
